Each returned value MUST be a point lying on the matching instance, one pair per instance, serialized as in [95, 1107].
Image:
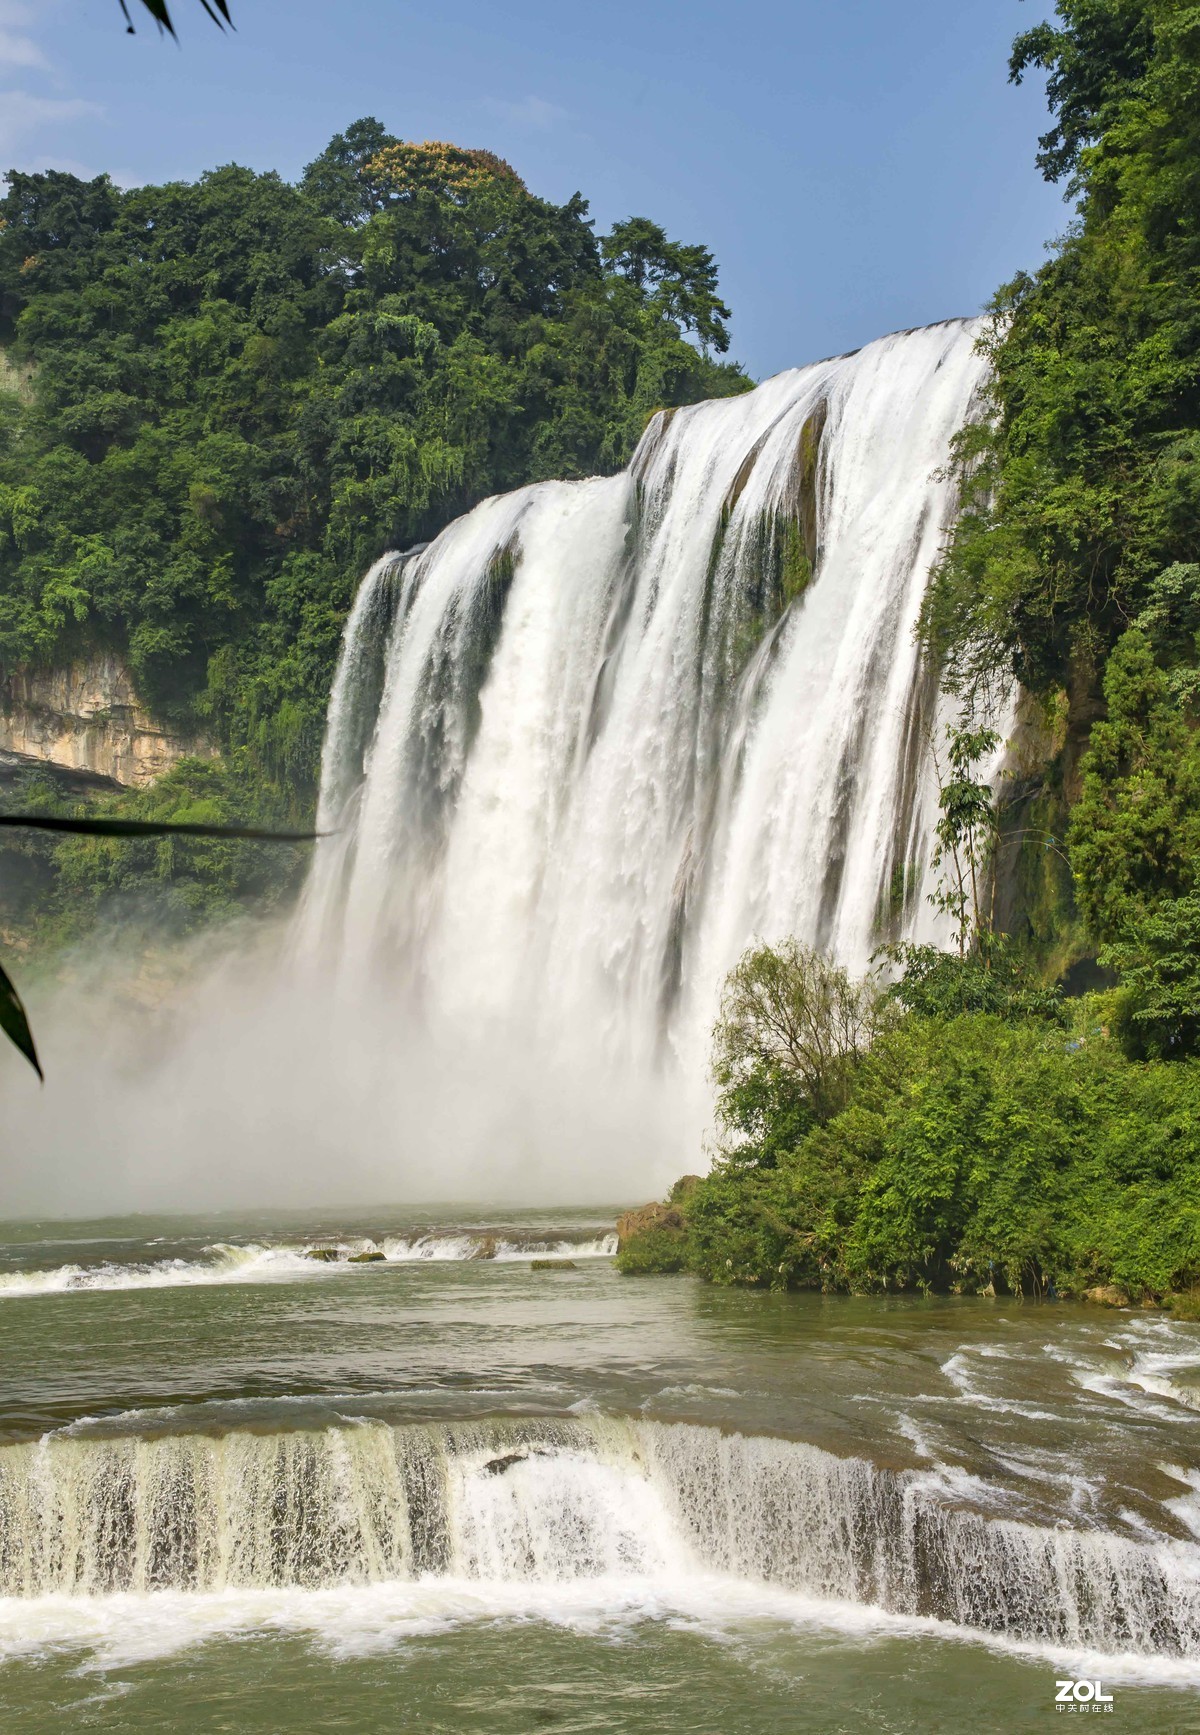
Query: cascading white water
[547, 1501]
[599, 735]
[253, 1261]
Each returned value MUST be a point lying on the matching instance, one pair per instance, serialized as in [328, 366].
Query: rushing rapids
[252, 1262]
[598, 735]
[557, 1501]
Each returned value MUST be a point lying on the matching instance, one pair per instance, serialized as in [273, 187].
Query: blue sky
[856, 165]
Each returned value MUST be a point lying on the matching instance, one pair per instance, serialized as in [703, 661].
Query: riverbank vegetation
[965, 1133]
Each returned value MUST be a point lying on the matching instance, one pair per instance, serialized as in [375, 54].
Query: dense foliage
[1135, 846]
[999, 1149]
[1077, 559]
[219, 402]
[226, 398]
[1085, 486]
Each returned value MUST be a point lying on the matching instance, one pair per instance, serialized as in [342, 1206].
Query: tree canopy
[222, 399]
[1085, 484]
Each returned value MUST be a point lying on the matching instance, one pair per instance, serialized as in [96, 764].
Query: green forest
[220, 401]
[976, 1128]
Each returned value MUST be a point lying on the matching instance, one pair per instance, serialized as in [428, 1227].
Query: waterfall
[599, 735]
[555, 1501]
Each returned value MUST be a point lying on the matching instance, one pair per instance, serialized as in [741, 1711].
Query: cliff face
[85, 720]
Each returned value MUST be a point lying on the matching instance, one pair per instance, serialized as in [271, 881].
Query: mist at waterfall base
[244, 1089]
[581, 750]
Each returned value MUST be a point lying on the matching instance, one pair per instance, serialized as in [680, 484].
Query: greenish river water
[242, 1489]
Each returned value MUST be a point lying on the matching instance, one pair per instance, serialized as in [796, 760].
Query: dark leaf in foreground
[14, 1023]
[153, 828]
[216, 9]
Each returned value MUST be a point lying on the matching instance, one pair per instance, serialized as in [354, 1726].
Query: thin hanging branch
[151, 828]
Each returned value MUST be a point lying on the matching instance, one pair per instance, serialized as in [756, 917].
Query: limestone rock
[647, 1217]
[86, 719]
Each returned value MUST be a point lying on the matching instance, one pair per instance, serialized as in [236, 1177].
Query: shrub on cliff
[1081, 485]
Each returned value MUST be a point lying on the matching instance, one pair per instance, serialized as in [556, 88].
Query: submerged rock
[553, 1265]
[366, 1258]
[497, 1466]
[325, 1254]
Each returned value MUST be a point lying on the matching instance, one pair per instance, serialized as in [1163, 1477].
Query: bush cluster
[981, 1150]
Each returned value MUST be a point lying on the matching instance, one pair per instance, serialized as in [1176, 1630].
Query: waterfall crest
[556, 1501]
[599, 735]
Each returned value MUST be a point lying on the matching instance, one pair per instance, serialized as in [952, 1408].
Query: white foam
[957, 1370]
[225, 1264]
[126, 1629]
[1176, 1348]
[258, 1263]
[415, 1249]
[1132, 1394]
[1187, 1506]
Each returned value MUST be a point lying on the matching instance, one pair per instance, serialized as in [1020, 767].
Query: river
[242, 1488]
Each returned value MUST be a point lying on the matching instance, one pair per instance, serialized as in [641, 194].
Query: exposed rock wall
[14, 376]
[86, 719]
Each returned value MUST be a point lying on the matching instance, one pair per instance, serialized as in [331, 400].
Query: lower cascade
[552, 1501]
